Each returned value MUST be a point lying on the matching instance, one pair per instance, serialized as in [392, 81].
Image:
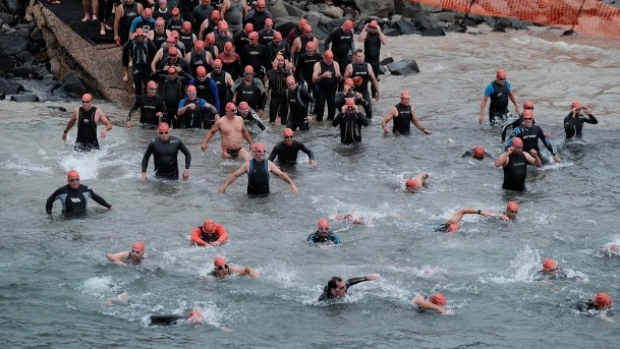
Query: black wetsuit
[207, 90]
[159, 39]
[546, 276]
[175, 25]
[277, 89]
[200, 60]
[199, 14]
[514, 125]
[265, 37]
[188, 40]
[252, 118]
[325, 91]
[304, 69]
[257, 57]
[402, 120]
[341, 99]
[372, 51]
[342, 45]
[515, 172]
[149, 107]
[363, 71]
[326, 295]
[530, 138]
[220, 42]
[258, 177]
[350, 126]
[172, 92]
[87, 130]
[253, 94]
[258, 19]
[573, 126]
[283, 49]
[296, 104]
[499, 102]
[74, 200]
[288, 154]
[200, 117]
[165, 157]
[315, 238]
[223, 91]
[165, 320]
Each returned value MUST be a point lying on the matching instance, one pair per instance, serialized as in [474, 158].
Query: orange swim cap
[199, 44]
[151, 84]
[191, 89]
[501, 73]
[268, 21]
[248, 28]
[163, 127]
[288, 132]
[244, 106]
[187, 26]
[411, 183]
[328, 54]
[479, 152]
[350, 102]
[215, 15]
[222, 26]
[310, 46]
[175, 11]
[602, 300]
[173, 50]
[348, 82]
[348, 24]
[219, 261]
[208, 226]
[307, 28]
[517, 142]
[528, 113]
[277, 36]
[138, 245]
[549, 263]
[259, 146]
[512, 206]
[139, 32]
[218, 62]
[373, 24]
[248, 69]
[228, 47]
[261, 3]
[452, 228]
[405, 94]
[438, 299]
[253, 36]
[73, 174]
[201, 71]
[211, 38]
[528, 104]
[230, 106]
[323, 223]
[302, 22]
[575, 105]
[147, 12]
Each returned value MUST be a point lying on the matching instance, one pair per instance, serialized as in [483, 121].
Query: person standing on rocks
[234, 11]
[362, 73]
[124, 16]
[142, 52]
[87, 118]
[300, 44]
[258, 16]
[342, 44]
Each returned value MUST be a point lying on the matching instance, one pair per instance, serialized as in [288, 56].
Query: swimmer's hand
[204, 147]
[223, 188]
[186, 174]
[480, 119]
[312, 163]
[143, 176]
[215, 243]
[294, 188]
[371, 277]
[557, 159]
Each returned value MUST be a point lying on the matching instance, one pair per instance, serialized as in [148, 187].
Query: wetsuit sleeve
[514, 134]
[222, 235]
[147, 156]
[196, 234]
[187, 75]
[185, 151]
[134, 24]
[324, 296]
[274, 153]
[362, 118]
[135, 107]
[98, 199]
[309, 152]
[162, 107]
[489, 90]
[334, 238]
[152, 51]
[336, 120]
[307, 96]
[355, 281]
[50, 201]
[591, 119]
[216, 95]
[546, 141]
[466, 154]
[259, 122]
[328, 41]
[310, 239]
[505, 128]
[263, 99]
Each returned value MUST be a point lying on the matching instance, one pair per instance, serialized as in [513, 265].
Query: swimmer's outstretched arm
[244, 271]
[243, 169]
[421, 302]
[118, 257]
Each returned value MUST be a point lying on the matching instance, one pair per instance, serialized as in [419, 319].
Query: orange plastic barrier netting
[588, 17]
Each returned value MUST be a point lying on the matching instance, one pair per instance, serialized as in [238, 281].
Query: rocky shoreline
[35, 45]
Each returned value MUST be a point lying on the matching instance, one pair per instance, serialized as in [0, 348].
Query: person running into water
[233, 131]
[287, 150]
[195, 317]
[135, 255]
[74, 196]
[515, 161]
[209, 234]
[337, 287]
[499, 91]
[87, 118]
[165, 149]
[573, 122]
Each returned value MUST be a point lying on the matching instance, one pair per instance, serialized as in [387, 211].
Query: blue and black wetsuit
[499, 95]
[258, 177]
[74, 200]
[530, 138]
[315, 238]
[87, 130]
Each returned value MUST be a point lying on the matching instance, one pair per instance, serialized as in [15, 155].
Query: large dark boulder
[391, 32]
[404, 67]
[379, 8]
[10, 87]
[17, 7]
[405, 27]
[435, 31]
[72, 84]
[12, 45]
[25, 56]
[6, 64]
[26, 72]
[2, 96]
[25, 98]
[8, 18]
[285, 24]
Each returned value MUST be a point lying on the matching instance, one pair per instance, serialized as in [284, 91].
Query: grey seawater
[55, 277]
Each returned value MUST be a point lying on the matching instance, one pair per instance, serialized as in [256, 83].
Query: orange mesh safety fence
[589, 17]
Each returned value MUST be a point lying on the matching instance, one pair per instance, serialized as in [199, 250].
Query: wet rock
[456, 28]
[30, 97]
[22, 33]
[27, 72]
[2, 96]
[435, 31]
[406, 8]
[294, 10]
[313, 8]
[28, 26]
[36, 35]
[16, 6]
[334, 12]
[10, 87]
[405, 27]
[404, 67]
[6, 64]
[278, 9]
[380, 8]
[72, 84]
[391, 32]
[351, 12]
[285, 24]
[8, 18]
[386, 61]
[12, 45]
[2, 74]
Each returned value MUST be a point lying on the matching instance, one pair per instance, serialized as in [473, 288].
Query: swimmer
[351, 218]
[135, 255]
[286, 151]
[611, 249]
[452, 225]
[195, 317]
[550, 270]
[515, 161]
[413, 184]
[221, 269]
[477, 153]
[435, 302]
[403, 115]
[601, 302]
[323, 235]
[499, 91]
[233, 132]
[209, 233]
[337, 288]
[74, 196]
[87, 118]
[573, 122]
[165, 149]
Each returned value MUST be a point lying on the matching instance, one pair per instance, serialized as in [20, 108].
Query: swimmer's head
[187, 26]
[208, 226]
[248, 28]
[219, 261]
[288, 135]
[517, 145]
[200, 72]
[191, 90]
[199, 45]
[253, 37]
[307, 29]
[310, 46]
[73, 174]
[528, 115]
[231, 107]
[348, 82]
[139, 33]
[347, 25]
[217, 64]
[575, 105]
[211, 38]
[614, 247]
[259, 148]
[501, 75]
[175, 11]
[405, 97]
[549, 266]
[277, 36]
[164, 130]
[602, 301]
[528, 105]
[137, 251]
[438, 299]
[479, 152]
[195, 317]
[228, 47]
[323, 227]
[411, 184]
[453, 228]
[350, 103]
[328, 56]
[216, 15]
[73, 179]
[147, 13]
[268, 22]
[244, 108]
[512, 209]
[151, 84]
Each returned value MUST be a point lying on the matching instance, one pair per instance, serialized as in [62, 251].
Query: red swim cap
[479, 152]
[261, 3]
[549, 263]
[201, 71]
[307, 28]
[302, 22]
[244, 106]
[138, 245]
[512, 206]
[323, 223]
[73, 174]
[172, 70]
[517, 142]
[452, 228]
[348, 24]
[277, 36]
[216, 15]
[219, 261]
[191, 89]
[501, 73]
[222, 26]
[259, 146]
[218, 62]
[175, 34]
[348, 82]
[288, 132]
[151, 84]
[405, 94]
[290, 78]
[602, 300]
[200, 45]
[187, 26]
[248, 69]
[139, 32]
[195, 316]
[528, 113]
[249, 27]
[411, 183]
[373, 24]
[211, 38]
[147, 12]
[528, 104]
[310, 46]
[575, 105]
[253, 36]
[230, 106]
[268, 21]
[173, 50]
[349, 102]
[328, 54]
[228, 47]
[175, 11]
[208, 225]
[438, 299]
[163, 127]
